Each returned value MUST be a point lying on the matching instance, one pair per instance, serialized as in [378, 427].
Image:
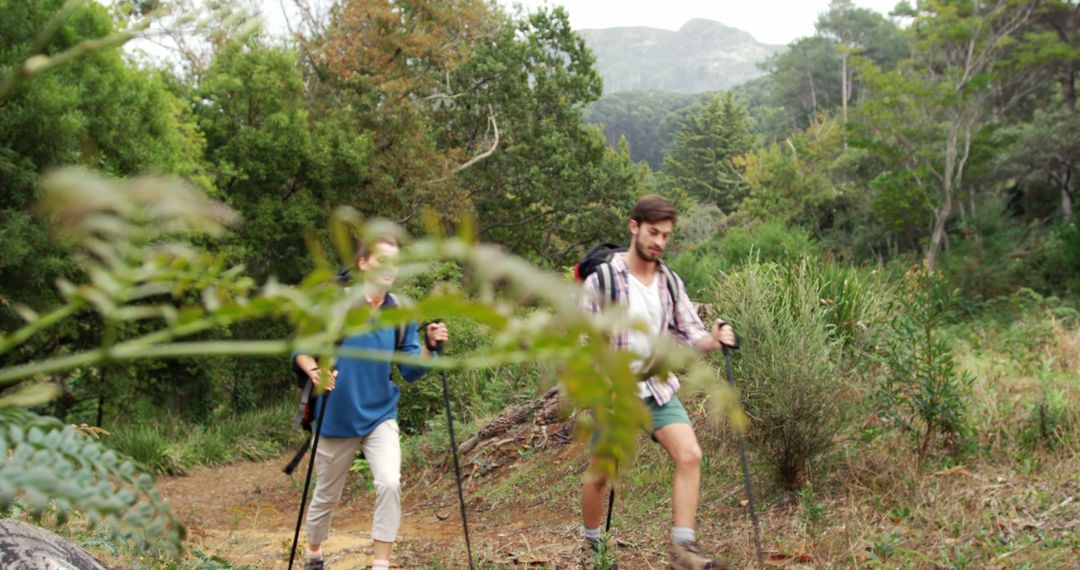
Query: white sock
[591, 533]
[681, 534]
[380, 565]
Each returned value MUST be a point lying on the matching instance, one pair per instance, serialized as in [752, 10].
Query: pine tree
[700, 161]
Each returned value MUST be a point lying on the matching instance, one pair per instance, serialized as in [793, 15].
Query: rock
[27, 547]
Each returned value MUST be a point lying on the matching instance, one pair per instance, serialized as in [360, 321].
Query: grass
[169, 446]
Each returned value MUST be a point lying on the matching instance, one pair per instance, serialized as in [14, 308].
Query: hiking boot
[313, 564]
[595, 555]
[688, 556]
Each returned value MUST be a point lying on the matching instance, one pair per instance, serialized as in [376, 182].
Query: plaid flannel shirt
[686, 328]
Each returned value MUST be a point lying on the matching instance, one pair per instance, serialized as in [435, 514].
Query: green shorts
[670, 413]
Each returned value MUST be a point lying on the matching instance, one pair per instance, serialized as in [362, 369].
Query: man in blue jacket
[361, 413]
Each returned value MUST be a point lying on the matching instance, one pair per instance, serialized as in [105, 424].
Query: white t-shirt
[643, 304]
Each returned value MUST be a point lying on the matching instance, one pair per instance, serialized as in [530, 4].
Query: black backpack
[598, 260]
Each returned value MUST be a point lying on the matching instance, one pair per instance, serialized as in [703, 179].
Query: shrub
[857, 303]
[773, 241]
[473, 393]
[922, 390]
[1048, 421]
[146, 444]
[996, 256]
[768, 241]
[699, 268]
[793, 389]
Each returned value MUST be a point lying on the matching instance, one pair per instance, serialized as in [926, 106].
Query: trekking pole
[307, 481]
[611, 501]
[454, 450]
[745, 465]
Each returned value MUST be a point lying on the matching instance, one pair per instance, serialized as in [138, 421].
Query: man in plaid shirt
[639, 280]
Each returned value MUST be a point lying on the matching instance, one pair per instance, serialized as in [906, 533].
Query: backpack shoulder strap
[606, 279]
[303, 420]
[399, 331]
[673, 290]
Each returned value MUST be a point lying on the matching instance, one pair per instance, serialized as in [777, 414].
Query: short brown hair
[363, 248]
[653, 208]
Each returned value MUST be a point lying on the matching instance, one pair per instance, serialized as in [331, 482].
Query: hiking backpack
[598, 260]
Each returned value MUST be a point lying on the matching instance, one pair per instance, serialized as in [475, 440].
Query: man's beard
[644, 253]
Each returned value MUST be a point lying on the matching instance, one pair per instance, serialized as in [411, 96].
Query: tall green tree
[103, 113]
[393, 66]
[1062, 19]
[700, 162]
[815, 74]
[648, 120]
[1050, 55]
[864, 32]
[282, 165]
[933, 108]
[478, 113]
[1047, 149]
[806, 79]
[792, 181]
[553, 186]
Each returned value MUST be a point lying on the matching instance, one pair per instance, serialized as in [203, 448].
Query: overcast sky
[769, 21]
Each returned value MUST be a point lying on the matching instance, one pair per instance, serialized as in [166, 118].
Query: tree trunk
[936, 239]
[1067, 191]
[101, 397]
[1068, 86]
[844, 93]
[924, 449]
[937, 233]
[1068, 188]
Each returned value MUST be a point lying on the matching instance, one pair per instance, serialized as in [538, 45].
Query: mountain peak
[703, 55]
[701, 26]
[694, 25]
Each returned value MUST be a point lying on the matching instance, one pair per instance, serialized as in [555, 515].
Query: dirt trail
[246, 513]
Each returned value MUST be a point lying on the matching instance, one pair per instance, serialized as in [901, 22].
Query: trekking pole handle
[439, 345]
[720, 328]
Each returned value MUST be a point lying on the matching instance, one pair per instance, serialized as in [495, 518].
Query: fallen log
[548, 404]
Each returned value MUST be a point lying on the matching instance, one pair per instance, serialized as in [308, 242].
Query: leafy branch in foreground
[135, 242]
[56, 470]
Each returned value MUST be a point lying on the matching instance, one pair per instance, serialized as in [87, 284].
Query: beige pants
[382, 448]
